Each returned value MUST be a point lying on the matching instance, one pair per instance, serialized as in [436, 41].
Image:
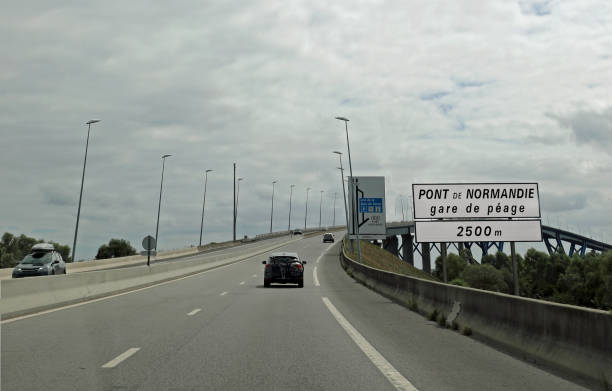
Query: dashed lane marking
[122, 357]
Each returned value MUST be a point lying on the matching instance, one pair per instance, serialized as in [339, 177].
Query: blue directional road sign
[370, 205]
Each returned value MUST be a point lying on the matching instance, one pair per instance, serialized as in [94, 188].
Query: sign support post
[514, 268]
[148, 243]
[443, 255]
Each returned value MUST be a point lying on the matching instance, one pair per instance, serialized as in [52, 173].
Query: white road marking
[194, 312]
[242, 283]
[223, 293]
[384, 366]
[324, 252]
[314, 277]
[123, 356]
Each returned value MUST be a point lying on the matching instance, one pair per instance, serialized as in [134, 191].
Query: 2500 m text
[468, 230]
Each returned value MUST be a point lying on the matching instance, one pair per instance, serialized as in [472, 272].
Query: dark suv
[284, 268]
[328, 237]
[43, 260]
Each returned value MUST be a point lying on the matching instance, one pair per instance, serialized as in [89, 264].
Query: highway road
[221, 330]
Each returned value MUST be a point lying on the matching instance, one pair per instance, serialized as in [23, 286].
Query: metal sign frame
[367, 207]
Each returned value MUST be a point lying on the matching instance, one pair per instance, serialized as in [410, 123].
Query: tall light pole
[355, 224]
[335, 195]
[237, 199]
[320, 208]
[234, 219]
[76, 230]
[343, 191]
[290, 196]
[306, 215]
[272, 210]
[160, 196]
[204, 204]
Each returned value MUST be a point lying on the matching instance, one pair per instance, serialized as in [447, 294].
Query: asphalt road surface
[221, 330]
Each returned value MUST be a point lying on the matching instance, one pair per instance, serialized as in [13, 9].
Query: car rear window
[279, 260]
[37, 258]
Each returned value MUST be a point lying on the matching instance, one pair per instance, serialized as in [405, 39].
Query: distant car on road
[43, 260]
[297, 232]
[284, 268]
[328, 237]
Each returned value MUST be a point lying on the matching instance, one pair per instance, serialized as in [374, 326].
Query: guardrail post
[407, 252]
[425, 254]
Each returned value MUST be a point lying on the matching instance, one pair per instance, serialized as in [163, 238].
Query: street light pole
[335, 195]
[355, 224]
[290, 196]
[76, 230]
[320, 208]
[234, 236]
[204, 203]
[160, 196]
[343, 191]
[272, 210]
[306, 215]
[237, 200]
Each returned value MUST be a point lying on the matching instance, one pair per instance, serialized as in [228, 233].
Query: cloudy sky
[435, 91]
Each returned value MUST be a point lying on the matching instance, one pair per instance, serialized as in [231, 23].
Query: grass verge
[378, 258]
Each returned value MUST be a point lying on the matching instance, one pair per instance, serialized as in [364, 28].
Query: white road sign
[478, 231]
[369, 207]
[476, 200]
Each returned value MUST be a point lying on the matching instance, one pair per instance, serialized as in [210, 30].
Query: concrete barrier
[30, 295]
[100, 264]
[573, 341]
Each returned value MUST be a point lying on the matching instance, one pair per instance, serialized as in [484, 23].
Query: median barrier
[570, 340]
[29, 295]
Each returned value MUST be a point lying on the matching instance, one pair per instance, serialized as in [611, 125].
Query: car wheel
[301, 284]
[64, 271]
[266, 284]
[52, 272]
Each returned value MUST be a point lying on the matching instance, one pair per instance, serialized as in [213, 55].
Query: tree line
[14, 248]
[584, 281]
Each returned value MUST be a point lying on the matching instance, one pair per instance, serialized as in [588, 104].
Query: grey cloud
[592, 128]
[552, 202]
[56, 196]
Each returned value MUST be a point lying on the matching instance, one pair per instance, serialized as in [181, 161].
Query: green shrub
[442, 320]
[467, 331]
[433, 316]
[455, 325]
[484, 277]
[414, 306]
[459, 281]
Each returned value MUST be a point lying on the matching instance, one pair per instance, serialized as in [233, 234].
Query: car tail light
[299, 266]
[267, 265]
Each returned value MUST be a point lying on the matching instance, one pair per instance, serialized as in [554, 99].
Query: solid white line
[314, 277]
[223, 293]
[115, 361]
[194, 312]
[384, 366]
[324, 252]
[242, 283]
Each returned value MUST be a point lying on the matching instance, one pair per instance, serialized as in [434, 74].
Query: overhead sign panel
[478, 231]
[476, 200]
[367, 207]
